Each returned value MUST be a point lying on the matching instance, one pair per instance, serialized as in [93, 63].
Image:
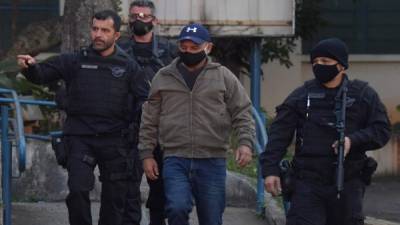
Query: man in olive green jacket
[192, 107]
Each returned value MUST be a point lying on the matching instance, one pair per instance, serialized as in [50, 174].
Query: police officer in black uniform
[152, 53]
[103, 85]
[309, 113]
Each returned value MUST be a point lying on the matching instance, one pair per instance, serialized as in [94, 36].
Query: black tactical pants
[314, 203]
[120, 197]
[156, 200]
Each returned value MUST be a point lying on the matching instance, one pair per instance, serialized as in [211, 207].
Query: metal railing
[18, 137]
[261, 141]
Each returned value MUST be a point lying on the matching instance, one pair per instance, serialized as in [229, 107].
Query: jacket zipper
[190, 107]
[191, 123]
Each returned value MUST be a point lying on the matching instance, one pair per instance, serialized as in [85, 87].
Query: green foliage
[8, 79]
[8, 70]
[236, 51]
[249, 170]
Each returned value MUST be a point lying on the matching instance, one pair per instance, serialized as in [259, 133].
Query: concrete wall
[388, 158]
[44, 180]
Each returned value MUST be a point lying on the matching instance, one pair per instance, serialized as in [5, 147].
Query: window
[367, 26]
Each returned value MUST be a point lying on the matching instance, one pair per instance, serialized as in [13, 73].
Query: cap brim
[194, 39]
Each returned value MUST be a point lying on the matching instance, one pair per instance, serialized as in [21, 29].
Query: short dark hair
[109, 14]
[143, 3]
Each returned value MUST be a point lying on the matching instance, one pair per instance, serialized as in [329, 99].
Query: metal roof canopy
[248, 18]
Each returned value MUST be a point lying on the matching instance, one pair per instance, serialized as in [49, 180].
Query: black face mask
[141, 28]
[325, 73]
[192, 59]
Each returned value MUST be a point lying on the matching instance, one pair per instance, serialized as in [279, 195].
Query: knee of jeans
[178, 207]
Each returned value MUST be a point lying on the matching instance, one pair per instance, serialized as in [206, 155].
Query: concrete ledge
[44, 180]
[240, 193]
[374, 221]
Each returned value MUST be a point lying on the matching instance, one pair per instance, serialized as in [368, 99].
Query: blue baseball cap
[194, 32]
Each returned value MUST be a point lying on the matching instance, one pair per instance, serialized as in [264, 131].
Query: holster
[124, 168]
[363, 169]
[286, 176]
[368, 170]
[60, 150]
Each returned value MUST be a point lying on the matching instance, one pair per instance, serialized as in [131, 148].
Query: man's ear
[155, 21]
[117, 35]
[209, 48]
[341, 68]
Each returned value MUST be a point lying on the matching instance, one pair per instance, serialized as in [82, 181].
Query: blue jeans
[203, 180]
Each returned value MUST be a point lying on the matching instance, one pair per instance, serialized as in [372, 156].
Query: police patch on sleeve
[90, 67]
[117, 71]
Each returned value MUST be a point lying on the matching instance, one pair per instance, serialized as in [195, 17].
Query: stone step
[374, 221]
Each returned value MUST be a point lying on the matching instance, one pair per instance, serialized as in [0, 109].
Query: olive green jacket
[197, 123]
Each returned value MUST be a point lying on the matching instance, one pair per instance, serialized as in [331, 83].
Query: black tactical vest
[100, 86]
[316, 130]
[161, 55]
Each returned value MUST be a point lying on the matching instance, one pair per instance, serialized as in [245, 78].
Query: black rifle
[340, 127]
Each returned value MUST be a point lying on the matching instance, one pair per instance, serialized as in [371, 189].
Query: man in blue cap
[192, 106]
[311, 113]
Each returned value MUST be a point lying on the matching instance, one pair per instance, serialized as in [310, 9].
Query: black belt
[121, 133]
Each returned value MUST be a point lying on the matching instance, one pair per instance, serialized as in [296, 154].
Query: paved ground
[382, 207]
[382, 199]
[56, 214]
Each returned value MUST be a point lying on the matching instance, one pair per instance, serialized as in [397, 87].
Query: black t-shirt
[190, 77]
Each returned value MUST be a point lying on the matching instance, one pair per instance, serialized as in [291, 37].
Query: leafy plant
[234, 52]
[9, 79]
[249, 170]
[8, 70]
